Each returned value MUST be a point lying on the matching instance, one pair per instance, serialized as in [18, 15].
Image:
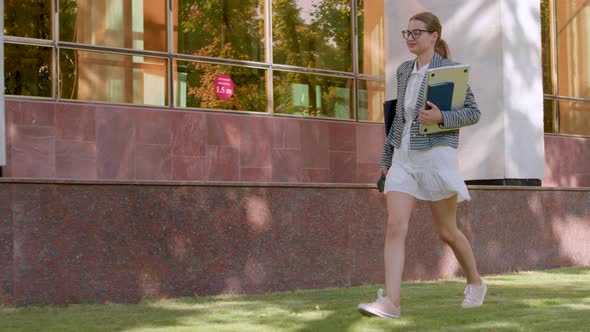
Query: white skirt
[429, 174]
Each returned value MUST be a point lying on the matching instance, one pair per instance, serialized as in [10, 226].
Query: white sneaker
[474, 295]
[382, 307]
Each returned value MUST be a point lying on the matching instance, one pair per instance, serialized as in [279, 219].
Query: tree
[222, 29]
[27, 68]
[323, 43]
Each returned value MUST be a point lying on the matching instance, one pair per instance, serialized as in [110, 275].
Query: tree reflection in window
[28, 70]
[313, 34]
[195, 87]
[28, 18]
[220, 29]
[313, 95]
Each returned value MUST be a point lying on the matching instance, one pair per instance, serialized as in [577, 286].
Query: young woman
[424, 167]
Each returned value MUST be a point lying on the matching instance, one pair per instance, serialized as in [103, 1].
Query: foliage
[323, 41]
[27, 68]
[28, 18]
[318, 36]
[222, 29]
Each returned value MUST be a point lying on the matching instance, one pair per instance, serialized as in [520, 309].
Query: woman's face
[425, 42]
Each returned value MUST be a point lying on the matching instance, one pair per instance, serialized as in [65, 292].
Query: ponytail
[442, 48]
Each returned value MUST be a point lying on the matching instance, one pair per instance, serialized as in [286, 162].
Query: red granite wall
[85, 141]
[567, 161]
[90, 242]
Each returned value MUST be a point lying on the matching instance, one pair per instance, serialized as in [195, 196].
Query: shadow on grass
[508, 308]
[538, 301]
[88, 317]
[569, 271]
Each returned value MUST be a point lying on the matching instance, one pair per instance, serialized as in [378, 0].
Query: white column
[2, 115]
[501, 40]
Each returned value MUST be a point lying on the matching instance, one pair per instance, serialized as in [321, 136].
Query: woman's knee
[396, 231]
[448, 236]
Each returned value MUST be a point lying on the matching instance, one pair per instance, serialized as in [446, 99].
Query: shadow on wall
[124, 243]
[543, 213]
[566, 161]
[479, 41]
[512, 44]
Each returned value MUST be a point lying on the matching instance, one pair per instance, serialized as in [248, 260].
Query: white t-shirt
[413, 88]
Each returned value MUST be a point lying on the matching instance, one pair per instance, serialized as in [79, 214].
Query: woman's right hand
[384, 170]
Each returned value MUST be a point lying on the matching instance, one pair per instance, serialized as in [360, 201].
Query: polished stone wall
[86, 141]
[567, 161]
[47, 140]
[72, 242]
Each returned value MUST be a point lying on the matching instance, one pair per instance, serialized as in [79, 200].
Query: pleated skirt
[430, 174]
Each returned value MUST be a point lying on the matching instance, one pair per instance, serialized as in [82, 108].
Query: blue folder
[441, 95]
[389, 114]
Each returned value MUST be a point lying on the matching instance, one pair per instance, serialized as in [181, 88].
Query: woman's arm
[387, 153]
[466, 116]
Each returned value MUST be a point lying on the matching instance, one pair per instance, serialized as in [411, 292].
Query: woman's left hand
[431, 116]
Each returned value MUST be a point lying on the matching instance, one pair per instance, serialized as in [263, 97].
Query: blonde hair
[433, 25]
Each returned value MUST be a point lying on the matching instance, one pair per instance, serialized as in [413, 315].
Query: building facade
[167, 148]
[281, 91]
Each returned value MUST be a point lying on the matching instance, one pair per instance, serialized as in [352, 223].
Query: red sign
[224, 86]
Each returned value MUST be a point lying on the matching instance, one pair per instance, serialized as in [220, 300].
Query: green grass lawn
[555, 300]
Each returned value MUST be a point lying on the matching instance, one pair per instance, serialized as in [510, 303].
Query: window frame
[555, 97]
[268, 65]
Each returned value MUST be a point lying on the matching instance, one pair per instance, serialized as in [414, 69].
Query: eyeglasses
[416, 33]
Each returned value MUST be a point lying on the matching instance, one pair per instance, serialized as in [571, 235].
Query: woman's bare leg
[444, 213]
[399, 210]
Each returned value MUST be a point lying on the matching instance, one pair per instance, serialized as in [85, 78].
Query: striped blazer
[468, 115]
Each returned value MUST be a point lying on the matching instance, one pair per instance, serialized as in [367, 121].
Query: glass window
[371, 96]
[573, 24]
[133, 24]
[221, 29]
[31, 19]
[306, 34]
[312, 34]
[547, 45]
[113, 78]
[574, 118]
[28, 70]
[223, 87]
[549, 115]
[313, 95]
[370, 38]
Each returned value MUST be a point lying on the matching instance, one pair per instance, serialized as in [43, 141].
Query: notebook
[450, 88]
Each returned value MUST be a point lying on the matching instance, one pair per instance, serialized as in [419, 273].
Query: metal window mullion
[170, 46]
[355, 58]
[572, 99]
[29, 41]
[55, 49]
[220, 61]
[371, 78]
[554, 66]
[313, 71]
[3, 138]
[269, 58]
[116, 50]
